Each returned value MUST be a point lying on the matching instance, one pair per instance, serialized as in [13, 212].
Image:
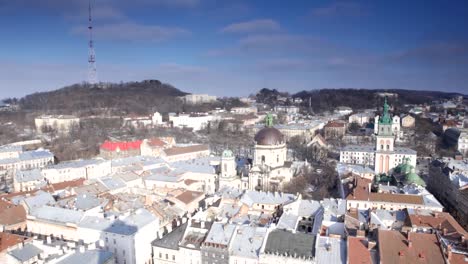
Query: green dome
[228, 153]
[404, 168]
[412, 177]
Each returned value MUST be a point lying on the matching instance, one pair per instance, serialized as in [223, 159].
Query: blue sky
[237, 47]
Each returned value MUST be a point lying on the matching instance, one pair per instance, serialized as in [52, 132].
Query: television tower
[92, 72]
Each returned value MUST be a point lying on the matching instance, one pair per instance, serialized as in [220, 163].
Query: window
[388, 147]
[123, 252]
[114, 241]
[167, 256]
[173, 257]
[263, 158]
[160, 255]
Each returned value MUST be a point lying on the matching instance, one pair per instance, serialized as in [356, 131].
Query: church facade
[384, 156]
[269, 169]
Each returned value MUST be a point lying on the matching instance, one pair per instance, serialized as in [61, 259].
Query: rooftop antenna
[92, 72]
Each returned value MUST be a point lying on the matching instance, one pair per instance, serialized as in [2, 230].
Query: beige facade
[408, 121]
[61, 123]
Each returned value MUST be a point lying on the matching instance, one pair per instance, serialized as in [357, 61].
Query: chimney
[410, 243]
[449, 252]
[444, 231]
[371, 244]
[463, 239]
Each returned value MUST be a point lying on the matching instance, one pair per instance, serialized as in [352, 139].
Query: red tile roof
[395, 248]
[188, 149]
[123, 146]
[8, 240]
[67, 184]
[360, 192]
[357, 251]
[11, 214]
[189, 182]
[156, 142]
[436, 220]
[335, 124]
[188, 196]
[49, 188]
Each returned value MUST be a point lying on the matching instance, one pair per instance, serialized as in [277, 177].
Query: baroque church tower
[384, 144]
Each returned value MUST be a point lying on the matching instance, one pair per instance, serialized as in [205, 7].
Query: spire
[385, 116]
[269, 120]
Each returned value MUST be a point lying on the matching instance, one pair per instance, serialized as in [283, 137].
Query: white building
[128, 236]
[56, 221]
[246, 244]
[289, 109]
[10, 152]
[361, 118]
[157, 119]
[198, 98]
[72, 170]
[343, 110]
[229, 177]
[137, 121]
[28, 180]
[463, 142]
[61, 123]
[244, 110]
[27, 160]
[193, 121]
[166, 250]
[303, 130]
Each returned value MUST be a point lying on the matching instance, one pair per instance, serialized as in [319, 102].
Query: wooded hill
[129, 97]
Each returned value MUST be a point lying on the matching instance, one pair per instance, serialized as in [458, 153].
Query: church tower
[228, 164]
[385, 141]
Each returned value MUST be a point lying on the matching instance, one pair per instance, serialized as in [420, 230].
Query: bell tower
[384, 144]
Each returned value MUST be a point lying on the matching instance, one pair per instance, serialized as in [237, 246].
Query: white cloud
[258, 25]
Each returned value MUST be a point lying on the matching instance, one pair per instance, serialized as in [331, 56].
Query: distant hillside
[328, 99]
[130, 97]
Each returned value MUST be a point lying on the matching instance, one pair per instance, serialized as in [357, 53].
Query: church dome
[269, 136]
[227, 153]
[412, 177]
